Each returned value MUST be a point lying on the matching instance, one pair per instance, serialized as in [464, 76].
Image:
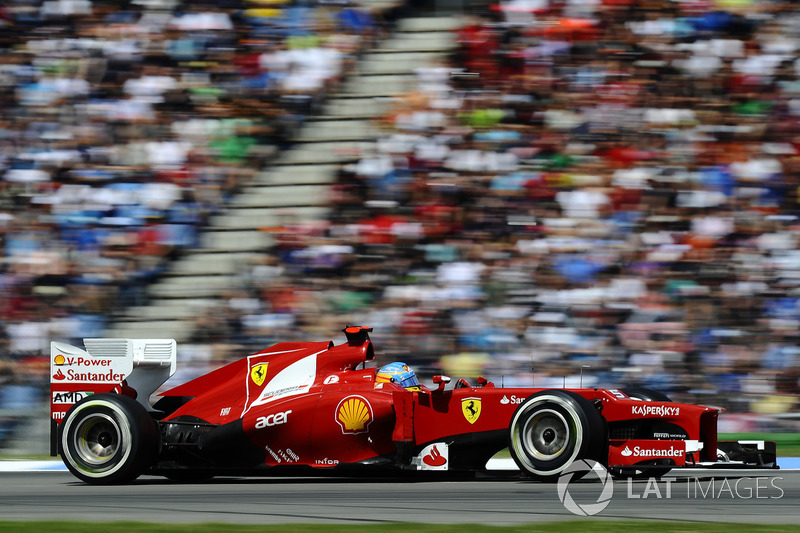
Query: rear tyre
[552, 429]
[108, 439]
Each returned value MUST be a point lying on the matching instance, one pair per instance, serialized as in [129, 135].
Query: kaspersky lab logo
[655, 410]
[586, 467]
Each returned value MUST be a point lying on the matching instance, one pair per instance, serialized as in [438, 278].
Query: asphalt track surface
[742, 497]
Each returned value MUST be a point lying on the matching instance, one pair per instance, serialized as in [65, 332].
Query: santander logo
[434, 458]
[514, 400]
[626, 452]
[638, 451]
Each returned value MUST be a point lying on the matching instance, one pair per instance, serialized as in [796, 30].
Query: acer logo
[638, 451]
[275, 419]
[655, 410]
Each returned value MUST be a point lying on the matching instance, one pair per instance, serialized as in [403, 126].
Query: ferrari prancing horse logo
[471, 407]
[259, 373]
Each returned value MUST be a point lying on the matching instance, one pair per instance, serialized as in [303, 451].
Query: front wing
[651, 456]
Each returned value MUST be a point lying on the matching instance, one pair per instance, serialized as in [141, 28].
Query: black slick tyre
[553, 428]
[108, 439]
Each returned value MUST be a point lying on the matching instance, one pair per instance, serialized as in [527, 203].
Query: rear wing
[136, 367]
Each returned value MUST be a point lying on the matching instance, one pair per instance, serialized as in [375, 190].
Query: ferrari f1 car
[318, 407]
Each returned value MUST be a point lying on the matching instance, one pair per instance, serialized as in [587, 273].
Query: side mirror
[441, 381]
[482, 381]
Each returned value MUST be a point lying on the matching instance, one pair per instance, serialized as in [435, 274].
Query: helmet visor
[407, 380]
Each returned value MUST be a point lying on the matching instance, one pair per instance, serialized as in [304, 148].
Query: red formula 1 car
[316, 407]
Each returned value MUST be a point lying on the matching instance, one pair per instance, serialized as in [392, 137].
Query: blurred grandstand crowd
[601, 192]
[125, 125]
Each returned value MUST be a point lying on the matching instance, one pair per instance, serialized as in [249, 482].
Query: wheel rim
[97, 440]
[546, 435]
[533, 447]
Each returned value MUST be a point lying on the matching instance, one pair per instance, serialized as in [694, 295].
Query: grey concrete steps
[180, 330]
[320, 174]
[268, 217]
[429, 24]
[223, 241]
[378, 86]
[183, 309]
[204, 263]
[433, 41]
[384, 63]
[324, 153]
[193, 286]
[357, 107]
[337, 130]
[282, 196]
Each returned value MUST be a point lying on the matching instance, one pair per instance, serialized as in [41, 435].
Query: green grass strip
[567, 526]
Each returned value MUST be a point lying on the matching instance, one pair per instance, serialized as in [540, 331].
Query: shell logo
[60, 360]
[353, 414]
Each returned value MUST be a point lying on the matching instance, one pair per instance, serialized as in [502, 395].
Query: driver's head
[399, 373]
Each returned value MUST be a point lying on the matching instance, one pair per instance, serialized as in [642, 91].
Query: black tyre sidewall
[590, 441]
[138, 446]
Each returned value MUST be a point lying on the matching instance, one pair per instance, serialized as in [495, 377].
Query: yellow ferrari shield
[471, 407]
[259, 373]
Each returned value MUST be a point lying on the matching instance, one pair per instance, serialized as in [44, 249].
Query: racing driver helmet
[399, 373]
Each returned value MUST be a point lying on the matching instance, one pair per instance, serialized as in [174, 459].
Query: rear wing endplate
[142, 364]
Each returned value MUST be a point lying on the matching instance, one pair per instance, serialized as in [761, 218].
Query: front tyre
[108, 439]
[552, 429]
